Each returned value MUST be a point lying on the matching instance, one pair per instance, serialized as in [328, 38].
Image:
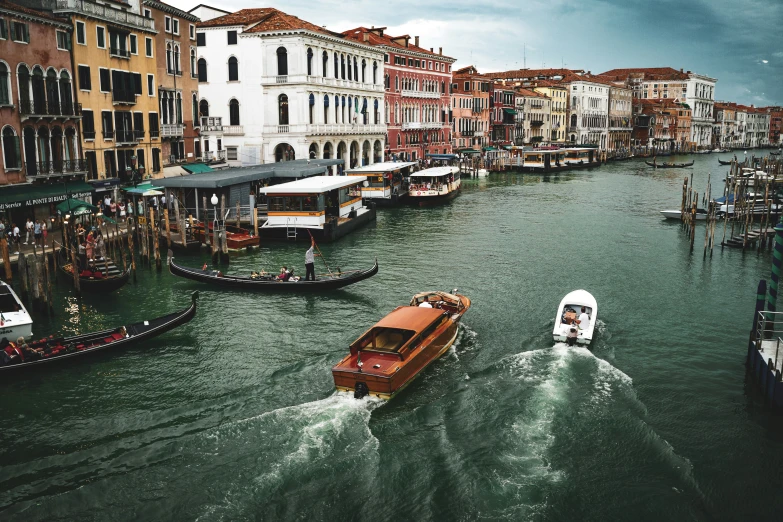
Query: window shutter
[137, 83]
[18, 150]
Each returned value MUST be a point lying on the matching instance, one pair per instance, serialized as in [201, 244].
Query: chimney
[440, 51]
[416, 40]
[680, 69]
[432, 50]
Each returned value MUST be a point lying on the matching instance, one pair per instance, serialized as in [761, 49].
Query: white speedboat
[701, 214]
[15, 322]
[568, 326]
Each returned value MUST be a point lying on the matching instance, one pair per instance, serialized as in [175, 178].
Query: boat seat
[389, 341]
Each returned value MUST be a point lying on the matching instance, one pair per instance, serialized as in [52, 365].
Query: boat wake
[466, 339]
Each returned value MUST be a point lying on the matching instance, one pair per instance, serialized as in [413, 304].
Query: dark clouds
[726, 39]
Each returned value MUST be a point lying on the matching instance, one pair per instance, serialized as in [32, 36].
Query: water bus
[326, 207]
[391, 354]
[433, 186]
[386, 184]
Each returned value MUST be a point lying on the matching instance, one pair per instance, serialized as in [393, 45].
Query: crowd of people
[36, 232]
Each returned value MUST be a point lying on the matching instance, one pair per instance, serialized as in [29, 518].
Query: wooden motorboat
[669, 165]
[568, 327]
[106, 277]
[724, 162]
[53, 349]
[269, 282]
[15, 321]
[391, 354]
[701, 214]
[191, 244]
[236, 238]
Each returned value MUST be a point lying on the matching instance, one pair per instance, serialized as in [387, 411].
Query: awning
[490, 148]
[75, 207]
[101, 185]
[509, 111]
[197, 168]
[29, 195]
[442, 157]
[139, 189]
[467, 151]
[176, 170]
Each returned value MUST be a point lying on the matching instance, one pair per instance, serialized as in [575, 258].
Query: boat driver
[584, 320]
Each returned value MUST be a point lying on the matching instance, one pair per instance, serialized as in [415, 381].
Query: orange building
[470, 109]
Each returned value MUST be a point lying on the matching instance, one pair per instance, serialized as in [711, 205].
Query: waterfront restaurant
[328, 207]
[384, 181]
[39, 201]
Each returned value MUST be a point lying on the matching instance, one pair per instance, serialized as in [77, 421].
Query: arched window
[342, 66]
[192, 62]
[311, 107]
[336, 66]
[325, 58]
[326, 108]
[52, 94]
[355, 69]
[309, 62]
[203, 108]
[282, 61]
[233, 69]
[39, 91]
[399, 141]
[12, 154]
[177, 63]
[5, 85]
[364, 66]
[66, 98]
[169, 61]
[202, 70]
[350, 77]
[233, 112]
[443, 87]
[374, 72]
[396, 83]
[282, 109]
[194, 110]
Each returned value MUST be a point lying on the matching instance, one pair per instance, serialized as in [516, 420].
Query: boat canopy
[410, 318]
[378, 168]
[434, 172]
[442, 157]
[451, 299]
[313, 185]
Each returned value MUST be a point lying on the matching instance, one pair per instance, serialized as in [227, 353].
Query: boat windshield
[8, 303]
[386, 340]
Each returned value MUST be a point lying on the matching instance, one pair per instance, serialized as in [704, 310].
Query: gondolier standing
[310, 261]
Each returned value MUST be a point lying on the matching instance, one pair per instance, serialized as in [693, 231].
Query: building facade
[725, 126]
[588, 112]
[417, 99]
[534, 117]
[503, 115]
[274, 87]
[775, 125]
[177, 81]
[470, 124]
[559, 95]
[620, 118]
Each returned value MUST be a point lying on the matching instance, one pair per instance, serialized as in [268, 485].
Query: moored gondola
[52, 349]
[669, 165]
[268, 282]
[724, 162]
[105, 277]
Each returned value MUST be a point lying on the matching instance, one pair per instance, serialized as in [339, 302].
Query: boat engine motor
[361, 390]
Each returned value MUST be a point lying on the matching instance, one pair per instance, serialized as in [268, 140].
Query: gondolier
[310, 261]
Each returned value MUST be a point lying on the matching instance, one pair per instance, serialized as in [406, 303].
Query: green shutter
[3, 31]
[18, 149]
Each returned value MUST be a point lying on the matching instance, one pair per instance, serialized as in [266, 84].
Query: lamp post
[215, 224]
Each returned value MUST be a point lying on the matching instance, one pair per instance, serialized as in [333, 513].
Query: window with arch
[169, 59]
[177, 58]
[399, 141]
[355, 69]
[374, 72]
[203, 108]
[66, 98]
[396, 83]
[202, 70]
[282, 61]
[194, 110]
[336, 66]
[193, 67]
[12, 154]
[5, 85]
[52, 94]
[233, 112]
[342, 66]
[311, 106]
[364, 66]
[326, 108]
[233, 69]
[309, 62]
[282, 109]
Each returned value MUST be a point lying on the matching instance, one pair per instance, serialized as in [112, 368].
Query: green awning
[490, 148]
[197, 168]
[468, 151]
[29, 194]
[509, 111]
[75, 207]
[141, 188]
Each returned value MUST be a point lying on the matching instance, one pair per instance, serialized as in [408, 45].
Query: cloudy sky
[739, 42]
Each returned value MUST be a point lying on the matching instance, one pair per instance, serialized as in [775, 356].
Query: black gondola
[66, 348]
[268, 282]
[724, 162]
[669, 165]
[111, 277]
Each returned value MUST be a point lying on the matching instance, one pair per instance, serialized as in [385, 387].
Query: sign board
[142, 220]
[44, 200]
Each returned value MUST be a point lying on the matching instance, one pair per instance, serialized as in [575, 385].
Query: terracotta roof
[740, 107]
[527, 92]
[280, 21]
[374, 38]
[26, 10]
[647, 73]
[242, 17]
[565, 74]
[546, 83]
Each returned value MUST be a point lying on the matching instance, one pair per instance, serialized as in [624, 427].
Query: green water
[233, 417]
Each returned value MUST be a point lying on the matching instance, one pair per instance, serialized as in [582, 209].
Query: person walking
[37, 233]
[29, 227]
[310, 261]
[16, 236]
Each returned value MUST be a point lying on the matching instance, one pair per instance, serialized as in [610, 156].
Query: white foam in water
[465, 336]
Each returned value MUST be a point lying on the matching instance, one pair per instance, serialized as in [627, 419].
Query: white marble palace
[273, 87]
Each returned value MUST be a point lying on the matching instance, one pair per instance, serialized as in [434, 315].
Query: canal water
[233, 417]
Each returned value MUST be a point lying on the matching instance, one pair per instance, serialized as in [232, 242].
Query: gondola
[724, 162]
[265, 282]
[669, 165]
[108, 281]
[66, 348]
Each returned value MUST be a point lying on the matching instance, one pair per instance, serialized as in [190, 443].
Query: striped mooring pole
[777, 261]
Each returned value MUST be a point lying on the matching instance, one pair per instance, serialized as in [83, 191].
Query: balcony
[119, 52]
[154, 133]
[178, 72]
[172, 130]
[211, 124]
[320, 80]
[466, 134]
[122, 97]
[325, 129]
[234, 130]
[39, 109]
[106, 13]
[421, 94]
[218, 155]
[56, 168]
[128, 136]
[108, 134]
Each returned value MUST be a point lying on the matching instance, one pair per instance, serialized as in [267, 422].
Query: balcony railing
[414, 125]
[122, 96]
[420, 94]
[105, 12]
[234, 130]
[154, 133]
[30, 108]
[171, 130]
[119, 52]
[215, 155]
[128, 136]
[88, 135]
[108, 134]
[57, 167]
[320, 80]
[178, 72]
[325, 128]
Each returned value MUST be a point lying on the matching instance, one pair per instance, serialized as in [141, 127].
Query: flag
[2, 320]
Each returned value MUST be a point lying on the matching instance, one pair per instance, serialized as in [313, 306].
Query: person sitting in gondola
[285, 275]
[30, 354]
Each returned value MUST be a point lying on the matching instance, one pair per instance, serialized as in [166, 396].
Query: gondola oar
[320, 254]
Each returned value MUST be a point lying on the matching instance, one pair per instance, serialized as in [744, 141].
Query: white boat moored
[15, 322]
[701, 214]
[575, 319]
